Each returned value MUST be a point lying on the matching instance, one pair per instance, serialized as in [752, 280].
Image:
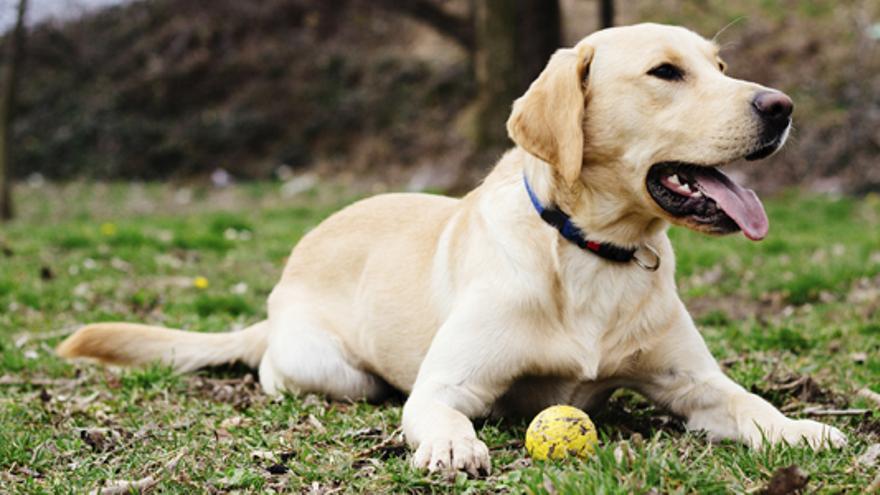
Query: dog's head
[647, 113]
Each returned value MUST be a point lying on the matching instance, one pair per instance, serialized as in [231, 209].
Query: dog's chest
[609, 314]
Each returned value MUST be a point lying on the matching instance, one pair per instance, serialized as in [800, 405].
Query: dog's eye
[667, 72]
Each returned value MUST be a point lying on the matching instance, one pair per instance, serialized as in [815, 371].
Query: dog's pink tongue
[740, 204]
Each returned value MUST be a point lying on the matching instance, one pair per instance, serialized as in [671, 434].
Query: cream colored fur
[476, 307]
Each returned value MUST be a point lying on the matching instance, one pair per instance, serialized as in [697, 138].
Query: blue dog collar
[561, 221]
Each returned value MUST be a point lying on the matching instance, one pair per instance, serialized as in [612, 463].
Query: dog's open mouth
[704, 196]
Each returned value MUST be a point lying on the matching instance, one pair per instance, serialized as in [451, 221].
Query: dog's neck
[597, 205]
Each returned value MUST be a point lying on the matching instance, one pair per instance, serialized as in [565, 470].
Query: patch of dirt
[100, 439]
[785, 481]
[787, 389]
[626, 417]
[239, 392]
[863, 295]
[868, 427]
[737, 307]
[277, 469]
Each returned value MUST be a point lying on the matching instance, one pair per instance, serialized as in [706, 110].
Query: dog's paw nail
[467, 455]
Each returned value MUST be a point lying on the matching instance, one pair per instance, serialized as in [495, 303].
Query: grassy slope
[804, 303]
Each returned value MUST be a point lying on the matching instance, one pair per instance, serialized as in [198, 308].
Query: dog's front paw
[817, 435]
[467, 454]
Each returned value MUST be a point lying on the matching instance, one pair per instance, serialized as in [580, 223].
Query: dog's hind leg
[303, 357]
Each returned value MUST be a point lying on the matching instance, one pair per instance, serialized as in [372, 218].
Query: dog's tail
[128, 344]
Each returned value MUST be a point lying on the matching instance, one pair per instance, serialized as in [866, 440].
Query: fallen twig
[142, 485]
[792, 384]
[41, 382]
[243, 380]
[390, 439]
[728, 362]
[172, 464]
[124, 487]
[870, 395]
[818, 411]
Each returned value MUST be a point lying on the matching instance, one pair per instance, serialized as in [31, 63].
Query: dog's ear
[547, 121]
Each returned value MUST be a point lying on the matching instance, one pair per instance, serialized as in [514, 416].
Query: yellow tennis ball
[561, 431]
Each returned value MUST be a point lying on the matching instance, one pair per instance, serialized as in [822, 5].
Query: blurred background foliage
[177, 89]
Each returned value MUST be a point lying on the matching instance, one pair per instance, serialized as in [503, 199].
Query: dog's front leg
[466, 369]
[681, 375]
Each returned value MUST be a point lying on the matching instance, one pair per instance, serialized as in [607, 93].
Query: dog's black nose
[773, 105]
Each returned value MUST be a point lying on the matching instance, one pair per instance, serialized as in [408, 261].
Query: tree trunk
[514, 40]
[539, 35]
[606, 14]
[7, 110]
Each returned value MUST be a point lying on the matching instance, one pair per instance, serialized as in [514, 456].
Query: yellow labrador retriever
[552, 282]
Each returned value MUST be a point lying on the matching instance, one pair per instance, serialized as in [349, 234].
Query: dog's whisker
[727, 26]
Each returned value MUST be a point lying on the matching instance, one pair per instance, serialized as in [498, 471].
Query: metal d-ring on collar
[641, 264]
[561, 221]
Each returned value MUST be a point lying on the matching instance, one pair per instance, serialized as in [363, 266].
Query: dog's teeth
[674, 179]
[686, 188]
[697, 194]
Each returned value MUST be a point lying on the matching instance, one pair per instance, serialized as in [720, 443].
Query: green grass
[803, 303]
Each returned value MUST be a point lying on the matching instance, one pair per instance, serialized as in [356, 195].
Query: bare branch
[818, 411]
[870, 395]
[452, 26]
[139, 486]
